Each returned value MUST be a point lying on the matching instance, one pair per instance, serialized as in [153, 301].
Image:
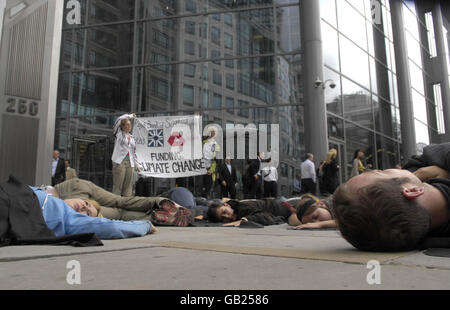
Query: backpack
[168, 214]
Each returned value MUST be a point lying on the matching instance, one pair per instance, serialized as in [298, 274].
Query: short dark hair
[378, 217]
[212, 211]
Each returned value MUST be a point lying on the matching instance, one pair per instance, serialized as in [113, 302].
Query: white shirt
[308, 170]
[124, 144]
[54, 165]
[270, 174]
[229, 167]
[209, 151]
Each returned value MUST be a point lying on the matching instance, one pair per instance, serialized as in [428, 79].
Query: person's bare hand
[153, 230]
[315, 225]
[431, 172]
[235, 223]
[199, 218]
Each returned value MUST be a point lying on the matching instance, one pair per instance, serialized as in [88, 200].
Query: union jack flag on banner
[156, 138]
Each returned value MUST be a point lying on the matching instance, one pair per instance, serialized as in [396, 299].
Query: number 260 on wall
[22, 106]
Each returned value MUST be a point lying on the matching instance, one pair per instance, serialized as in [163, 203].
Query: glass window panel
[189, 70]
[419, 107]
[352, 24]
[384, 119]
[188, 95]
[288, 29]
[107, 11]
[109, 46]
[357, 103]
[422, 135]
[335, 127]
[387, 153]
[333, 98]
[358, 138]
[354, 62]
[101, 92]
[328, 11]
[416, 76]
[330, 46]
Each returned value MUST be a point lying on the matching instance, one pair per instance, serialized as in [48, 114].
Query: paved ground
[194, 258]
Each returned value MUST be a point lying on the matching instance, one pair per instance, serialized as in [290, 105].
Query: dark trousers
[308, 186]
[228, 191]
[270, 189]
[207, 185]
[255, 190]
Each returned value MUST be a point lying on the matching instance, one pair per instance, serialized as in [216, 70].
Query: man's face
[67, 164]
[55, 154]
[82, 206]
[225, 213]
[373, 176]
[228, 160]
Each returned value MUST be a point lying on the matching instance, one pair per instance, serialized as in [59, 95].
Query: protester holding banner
[124, 156]
[210, 147]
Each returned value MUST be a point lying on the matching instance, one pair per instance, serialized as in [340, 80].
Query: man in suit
[254, 177]
[58, 169]
[228, 179]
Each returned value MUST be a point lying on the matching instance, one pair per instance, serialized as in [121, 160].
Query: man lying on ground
[267, 211]
[77, 216]
[395, 210]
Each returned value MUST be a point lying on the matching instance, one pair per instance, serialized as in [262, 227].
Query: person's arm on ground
[431, 172]
[235, 223]
[318, 225]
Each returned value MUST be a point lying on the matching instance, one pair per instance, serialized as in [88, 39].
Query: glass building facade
[240, 62]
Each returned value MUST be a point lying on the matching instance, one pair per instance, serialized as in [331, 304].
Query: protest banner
[169, 146]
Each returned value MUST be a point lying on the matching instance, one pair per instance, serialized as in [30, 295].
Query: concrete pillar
[29, 64]
[315, 117]
[408, 147]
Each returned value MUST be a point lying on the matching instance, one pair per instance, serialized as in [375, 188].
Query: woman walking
[358, 166]
[330, 173]
[124, 157]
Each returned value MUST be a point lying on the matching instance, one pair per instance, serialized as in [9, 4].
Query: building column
[315, 114]
[441, 62]
[29, 69]
[403, 81]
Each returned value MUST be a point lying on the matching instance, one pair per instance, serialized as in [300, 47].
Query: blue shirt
[63, 220]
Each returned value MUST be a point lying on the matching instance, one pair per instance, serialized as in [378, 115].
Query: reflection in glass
[354, 62]
[330, 46]
[358, 138]
[357, 103]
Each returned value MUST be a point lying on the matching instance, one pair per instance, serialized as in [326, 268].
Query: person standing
[254, 177]
[210, 148]
[58, 169]
[330, 173]
[70, 172]
[358, 166]
[124, 157]
[270, 175]
[308, 171]
[228, 179]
